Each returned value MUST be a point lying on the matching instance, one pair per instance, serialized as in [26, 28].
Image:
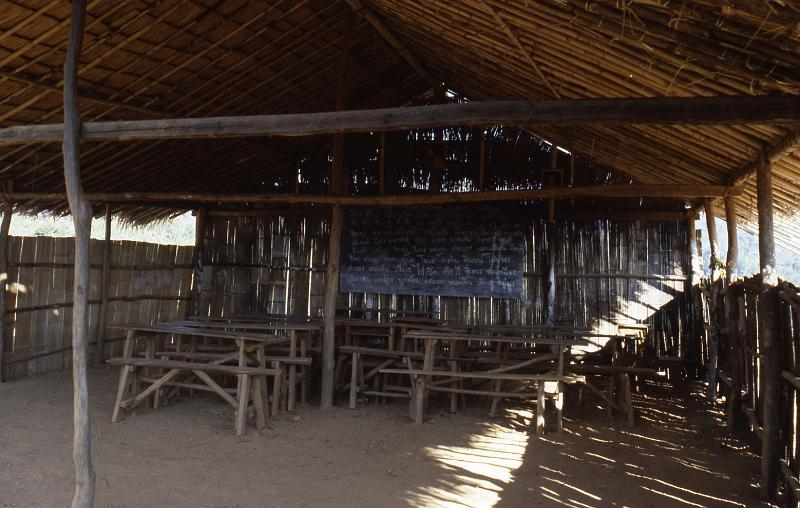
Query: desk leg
[419, 398]
[241, 414]
[262, 380]
[258, 400]
[304, 371]
[421, 395]
[626, 387]
[292, 370]
[540, 408]
[354, 380]
[276, 388]
[122, 384]
[454, 368]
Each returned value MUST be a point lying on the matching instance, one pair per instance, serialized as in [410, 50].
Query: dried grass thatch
[148, 59]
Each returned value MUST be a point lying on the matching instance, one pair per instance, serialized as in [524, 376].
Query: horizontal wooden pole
[660, 110]
[597, 191]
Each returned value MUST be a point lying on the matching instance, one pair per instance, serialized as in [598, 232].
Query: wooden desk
[246, 342]
[431, 337]
[288, 326]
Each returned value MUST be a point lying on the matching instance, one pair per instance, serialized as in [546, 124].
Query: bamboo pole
[769, 339]
[81, 212]
[100, 332]
[4, 228]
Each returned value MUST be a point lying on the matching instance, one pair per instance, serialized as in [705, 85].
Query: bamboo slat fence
[147, 283]
[741, 375]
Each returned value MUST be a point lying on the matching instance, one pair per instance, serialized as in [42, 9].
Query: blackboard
[448, 251]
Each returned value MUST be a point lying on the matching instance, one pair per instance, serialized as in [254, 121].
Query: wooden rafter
[388, 35]
[526, 54]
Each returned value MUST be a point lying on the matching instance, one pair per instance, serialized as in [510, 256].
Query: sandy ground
[186, 455]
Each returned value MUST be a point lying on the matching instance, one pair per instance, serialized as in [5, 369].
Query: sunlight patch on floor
[477, 472]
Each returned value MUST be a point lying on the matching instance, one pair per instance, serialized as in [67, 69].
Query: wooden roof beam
[595, 191]
[661, 110]
[389, 36]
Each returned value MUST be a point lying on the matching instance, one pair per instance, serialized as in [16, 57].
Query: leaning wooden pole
[5, 226]
[714, 266]
[100, 332]
[81, 212]
[769, 340]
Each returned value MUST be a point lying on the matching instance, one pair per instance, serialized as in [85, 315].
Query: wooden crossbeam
[661, 110]
[598, 191]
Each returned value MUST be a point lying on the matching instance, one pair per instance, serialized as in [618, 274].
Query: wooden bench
[547, 385]
[202, 370]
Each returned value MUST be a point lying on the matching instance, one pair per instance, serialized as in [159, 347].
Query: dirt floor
[186, 455]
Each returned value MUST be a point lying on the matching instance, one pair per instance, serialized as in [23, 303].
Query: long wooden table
[246, 342]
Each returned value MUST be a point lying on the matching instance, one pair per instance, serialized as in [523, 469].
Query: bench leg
[354, 380]
[122, 388]
[540, 408]
[241, 414]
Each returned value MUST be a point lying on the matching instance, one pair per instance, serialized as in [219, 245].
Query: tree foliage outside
[177, 231]
[747, 263]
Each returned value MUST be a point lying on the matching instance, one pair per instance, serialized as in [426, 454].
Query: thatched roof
[147, 59]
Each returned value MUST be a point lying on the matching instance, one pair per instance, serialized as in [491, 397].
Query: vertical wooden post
[382, 165]
[711, 225]
[732, 255]
[197, 261]
[735, 416]
[100, 332]
[4, 228]
[338, 187]
[81, 212]
[769, 340]
[551, 248]
[714, 265]
[482, 164]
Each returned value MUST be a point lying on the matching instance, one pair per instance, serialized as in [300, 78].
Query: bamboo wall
[608, 271]
[147, 283]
